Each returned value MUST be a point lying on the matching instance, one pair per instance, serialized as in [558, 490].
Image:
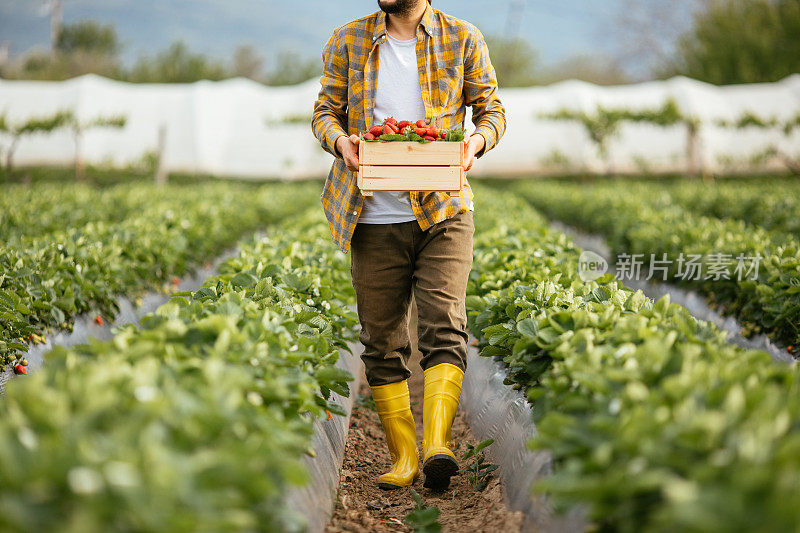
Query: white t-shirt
[398, 95]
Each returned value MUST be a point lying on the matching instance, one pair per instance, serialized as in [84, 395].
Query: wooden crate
[410, 166]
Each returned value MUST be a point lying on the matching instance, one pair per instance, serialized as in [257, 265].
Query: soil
[362, 507]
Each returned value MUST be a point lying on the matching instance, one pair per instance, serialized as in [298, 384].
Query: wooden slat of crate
[411, 153]
[410, 178]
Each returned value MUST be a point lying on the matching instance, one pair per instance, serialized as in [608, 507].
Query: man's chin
[388, 6]
[396, 7]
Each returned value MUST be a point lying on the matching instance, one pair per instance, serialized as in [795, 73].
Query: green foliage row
[49, 279]
[654, 421]
[48, 207]
[769, 304]
[775, 210]
[197, 420]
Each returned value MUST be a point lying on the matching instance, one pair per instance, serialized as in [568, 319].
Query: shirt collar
[426, 23]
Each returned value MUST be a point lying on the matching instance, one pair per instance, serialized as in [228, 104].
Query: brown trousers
[389, 263]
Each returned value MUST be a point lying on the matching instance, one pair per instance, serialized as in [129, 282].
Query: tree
[78, 128]
[88, 36]
[645, 33]
[590, 68]
[247, 62]
[515, 61]
[669, 115]
[749, 119]
[31, 126]
[604, 124]
[291, 68]
[741, 41]
[177, 64]
[601, 126]
[80, 48]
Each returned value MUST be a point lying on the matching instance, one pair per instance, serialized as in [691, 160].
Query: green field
[654, 420]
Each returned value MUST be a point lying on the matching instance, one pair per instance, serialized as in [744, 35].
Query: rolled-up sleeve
[330, 108]
[480, 90]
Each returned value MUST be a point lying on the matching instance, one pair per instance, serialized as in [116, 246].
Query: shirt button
[355, 212]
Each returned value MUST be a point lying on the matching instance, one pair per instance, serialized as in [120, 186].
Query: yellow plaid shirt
[455, 71]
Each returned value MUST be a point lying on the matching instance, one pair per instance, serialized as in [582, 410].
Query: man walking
[409, 61]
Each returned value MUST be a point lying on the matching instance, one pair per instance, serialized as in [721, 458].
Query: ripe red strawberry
[391, 120]
[433, 131]
[441, 135]
[98, 320]
[369, 137]
[403, 124]
[429, 138]
[421, 124]
[19, 369]
[377, 131]
[422, 132]
[387, 129]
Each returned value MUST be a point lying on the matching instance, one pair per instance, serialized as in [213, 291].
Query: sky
[558, 29]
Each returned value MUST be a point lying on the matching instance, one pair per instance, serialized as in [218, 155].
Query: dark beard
[400, 8]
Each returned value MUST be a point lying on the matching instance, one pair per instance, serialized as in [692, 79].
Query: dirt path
[362, 507]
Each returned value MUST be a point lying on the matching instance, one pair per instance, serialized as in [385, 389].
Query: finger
[355, 139]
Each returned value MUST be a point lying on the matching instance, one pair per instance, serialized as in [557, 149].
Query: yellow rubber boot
[442, 391]
[394, 408]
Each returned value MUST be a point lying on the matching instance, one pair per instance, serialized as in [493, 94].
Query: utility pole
[56, 12]
[516, 10]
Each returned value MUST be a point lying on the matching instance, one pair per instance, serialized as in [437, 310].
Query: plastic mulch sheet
[495, 410]
[314, 501]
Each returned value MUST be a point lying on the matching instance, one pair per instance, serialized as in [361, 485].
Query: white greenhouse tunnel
[233, 128]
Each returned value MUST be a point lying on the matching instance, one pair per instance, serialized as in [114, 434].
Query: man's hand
[348, 148]
[472, 146]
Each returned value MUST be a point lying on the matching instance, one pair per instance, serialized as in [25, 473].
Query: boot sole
[390, 486]
[438, 470]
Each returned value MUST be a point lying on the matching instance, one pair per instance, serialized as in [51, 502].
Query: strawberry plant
[654, 421]
[479, 471]
[423, 518]
[47, 279]
[742, 200]
[766, 300]
[196, 420]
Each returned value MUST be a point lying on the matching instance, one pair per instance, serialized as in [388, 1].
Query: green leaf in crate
[392, 137]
